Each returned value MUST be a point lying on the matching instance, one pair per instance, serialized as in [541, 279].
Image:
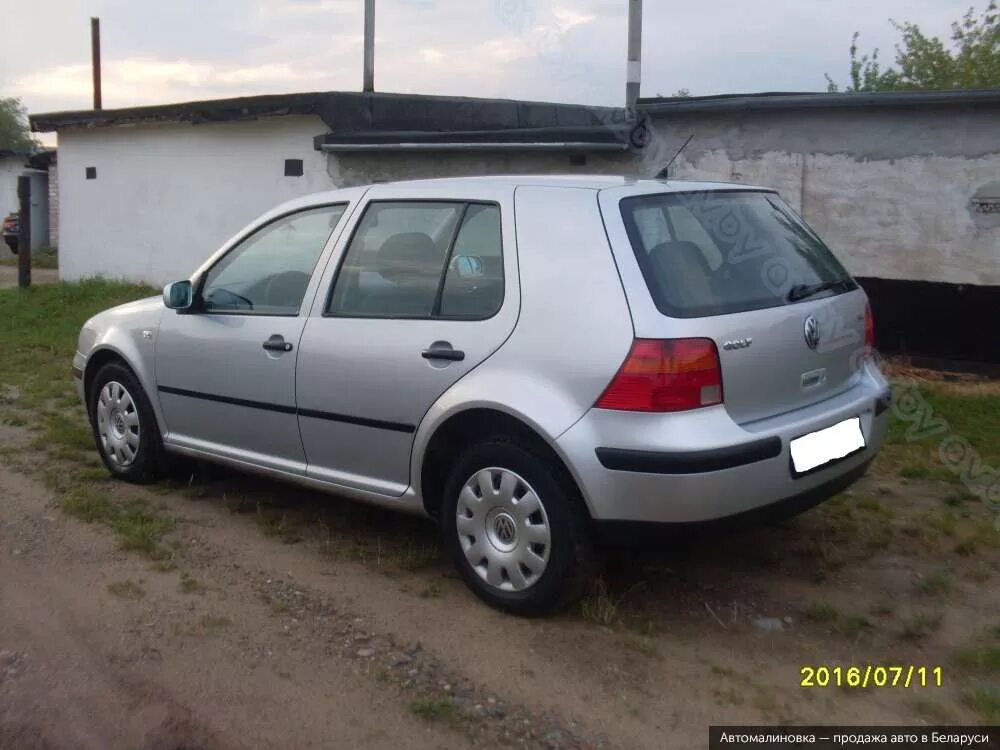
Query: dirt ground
[272, 617]
[8, 276]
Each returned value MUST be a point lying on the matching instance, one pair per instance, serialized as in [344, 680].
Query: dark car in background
[11, 230]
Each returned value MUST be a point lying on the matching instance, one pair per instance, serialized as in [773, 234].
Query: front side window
[422, 259]
[267, 273]
[714, 253]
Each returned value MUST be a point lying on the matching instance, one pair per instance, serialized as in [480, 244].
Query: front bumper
[698, 466]
[79, 362]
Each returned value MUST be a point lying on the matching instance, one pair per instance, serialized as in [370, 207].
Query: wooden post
[368, 85]
[95, 58]
[24, 233]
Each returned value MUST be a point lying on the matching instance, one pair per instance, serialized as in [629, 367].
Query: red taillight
[869, 327]
[666, 375]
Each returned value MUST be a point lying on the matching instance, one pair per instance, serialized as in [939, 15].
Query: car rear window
[718, 252]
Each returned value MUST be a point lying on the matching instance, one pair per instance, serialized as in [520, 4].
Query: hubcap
[503, 529]
[118, 424]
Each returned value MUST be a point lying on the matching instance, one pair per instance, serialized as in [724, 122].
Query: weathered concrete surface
[890, 191]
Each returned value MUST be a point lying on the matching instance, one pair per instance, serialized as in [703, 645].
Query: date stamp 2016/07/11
[871, 675]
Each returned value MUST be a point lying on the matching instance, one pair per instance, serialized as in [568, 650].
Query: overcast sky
[561, 50]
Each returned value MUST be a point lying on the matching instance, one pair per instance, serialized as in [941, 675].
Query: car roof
[625, 185]
[592, 182]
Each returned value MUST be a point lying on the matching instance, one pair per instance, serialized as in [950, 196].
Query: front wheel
[124, 425]
[515, 530]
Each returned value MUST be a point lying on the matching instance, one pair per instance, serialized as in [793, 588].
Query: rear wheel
[124, 425]
[514, 529]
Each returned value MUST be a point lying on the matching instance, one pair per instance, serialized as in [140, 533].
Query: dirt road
[8, 276]
[287, 619]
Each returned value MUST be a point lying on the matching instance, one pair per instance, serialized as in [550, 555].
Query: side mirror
[178, 295]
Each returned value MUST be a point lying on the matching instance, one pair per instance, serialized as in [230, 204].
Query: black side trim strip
[378, 424]
[227, 400]
[689, 462]
[78, 373]
[362, 421]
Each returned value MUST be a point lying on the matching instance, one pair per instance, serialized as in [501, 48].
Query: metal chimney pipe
[369, 82]
[95, 58]
[634, 70]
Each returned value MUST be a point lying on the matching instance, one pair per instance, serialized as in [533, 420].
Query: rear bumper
[621, 532]
[699, 466]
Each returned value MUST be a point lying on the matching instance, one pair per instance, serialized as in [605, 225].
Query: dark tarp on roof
[368, 120]
[806, 100]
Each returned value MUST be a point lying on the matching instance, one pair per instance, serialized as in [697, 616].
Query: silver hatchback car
[531, 361]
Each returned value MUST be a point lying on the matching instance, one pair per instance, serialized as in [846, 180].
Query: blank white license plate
[823, 446]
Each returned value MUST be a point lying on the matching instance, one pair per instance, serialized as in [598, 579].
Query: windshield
[713, 253]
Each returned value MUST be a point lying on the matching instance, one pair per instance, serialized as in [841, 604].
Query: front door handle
[449, 354]
[277, 344]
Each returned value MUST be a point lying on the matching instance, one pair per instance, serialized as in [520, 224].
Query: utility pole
[95, 58]
[24, 233]
[369, 82]
[634, 70]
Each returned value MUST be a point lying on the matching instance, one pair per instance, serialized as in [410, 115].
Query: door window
[267, 273]
[422, 260]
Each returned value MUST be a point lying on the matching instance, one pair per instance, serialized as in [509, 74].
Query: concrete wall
[10, 168]
[166, 196]
[889, 189]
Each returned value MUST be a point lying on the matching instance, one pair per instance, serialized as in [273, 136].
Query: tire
[552, 542]
[124, 426]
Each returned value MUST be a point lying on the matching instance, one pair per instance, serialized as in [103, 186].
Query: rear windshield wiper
[801, 291]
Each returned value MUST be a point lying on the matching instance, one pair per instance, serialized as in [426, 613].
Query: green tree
[14, 132]
[971, 59]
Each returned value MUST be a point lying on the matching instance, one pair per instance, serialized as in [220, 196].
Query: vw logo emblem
[811, 332]
[503, 527]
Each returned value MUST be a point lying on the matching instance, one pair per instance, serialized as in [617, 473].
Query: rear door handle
[452, 355]
[277, 344]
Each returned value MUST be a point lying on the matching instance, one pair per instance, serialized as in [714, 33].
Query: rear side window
[713, 253]
[422, 260]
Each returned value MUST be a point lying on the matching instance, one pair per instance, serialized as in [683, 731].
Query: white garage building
[147, 193]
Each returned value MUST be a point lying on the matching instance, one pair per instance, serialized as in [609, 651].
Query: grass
[936, 412]
[599, 606]
[822, 612]
[985, 701]
[437, 710]
[937, 582]
[135, 523]
[189, 585]
[213, 623]
[39, 334]
[920, 626]
[982, 656]
[127, 589]
[42, 257]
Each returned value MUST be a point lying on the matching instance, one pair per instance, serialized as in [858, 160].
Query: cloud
[151, 81]
[560, 50]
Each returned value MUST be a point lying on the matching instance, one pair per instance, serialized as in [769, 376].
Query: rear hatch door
[740, 267]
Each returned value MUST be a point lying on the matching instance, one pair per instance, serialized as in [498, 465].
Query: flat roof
[775, 100]
[349, 112]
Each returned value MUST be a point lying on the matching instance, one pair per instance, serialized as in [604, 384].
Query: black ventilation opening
[293, 167]
[91, 173]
